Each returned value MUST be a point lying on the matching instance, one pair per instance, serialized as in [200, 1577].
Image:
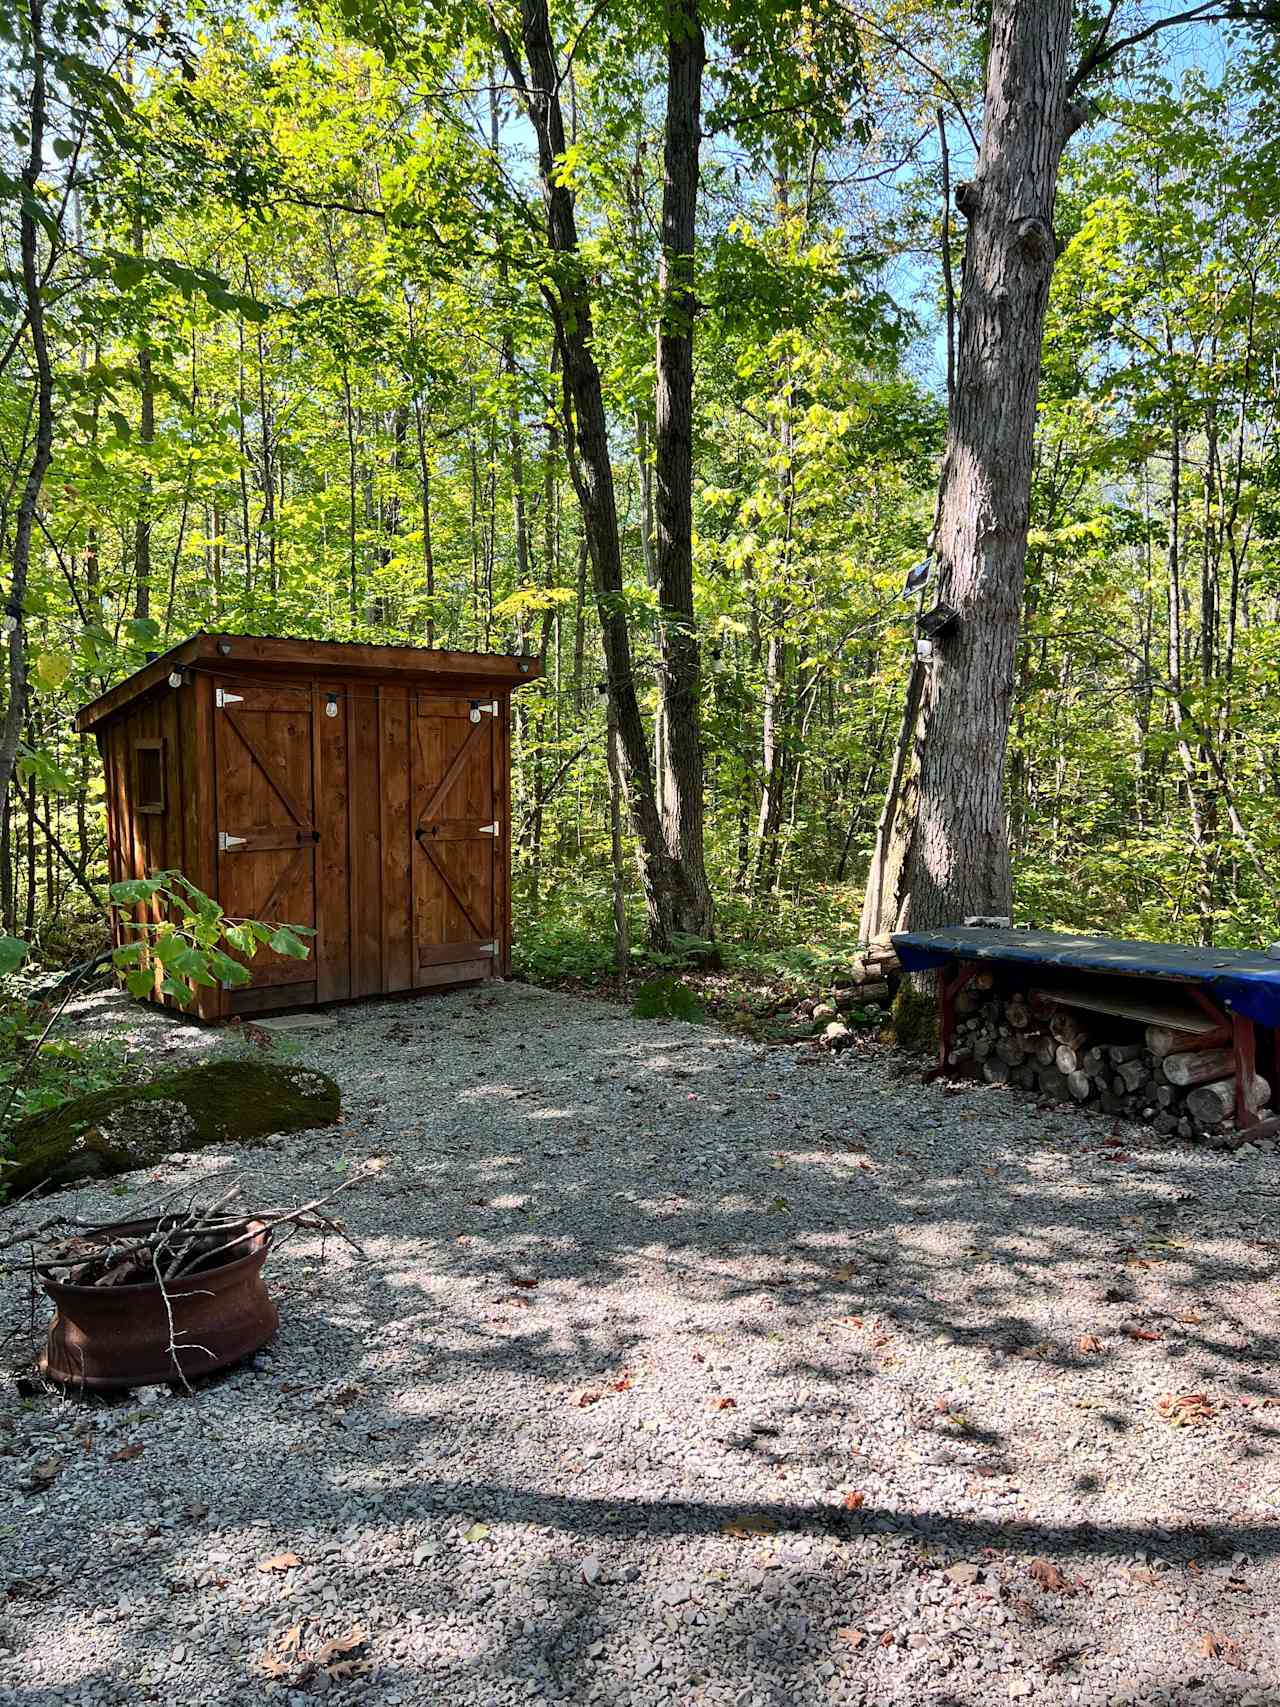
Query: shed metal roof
[224, 653]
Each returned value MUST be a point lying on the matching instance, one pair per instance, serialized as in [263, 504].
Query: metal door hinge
[226, 842]
[490, 829]
[221, 697]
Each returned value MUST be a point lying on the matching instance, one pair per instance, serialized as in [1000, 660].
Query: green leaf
[135, 889]
[51, 669]
[226, 970]
[128, 954]
[242, 939]
[191, 963]
[477, 1532]
[140, 983]
[13, 951]
[284, 941]
[181, 993]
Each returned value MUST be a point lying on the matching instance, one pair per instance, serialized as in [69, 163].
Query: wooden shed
[363, 791]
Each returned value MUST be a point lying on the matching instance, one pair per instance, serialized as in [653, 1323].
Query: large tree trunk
[949, 856]
[681, 787]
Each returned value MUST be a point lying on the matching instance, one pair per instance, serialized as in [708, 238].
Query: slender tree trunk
[679, 681]
[949, 857]
[33, 303]
[671, 902]
[146, 433]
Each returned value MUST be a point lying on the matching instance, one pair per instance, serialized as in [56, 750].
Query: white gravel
[790, 1278]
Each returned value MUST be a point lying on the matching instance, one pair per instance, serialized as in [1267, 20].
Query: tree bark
[33, 303]
[671, 902]
[953, 850]
[679, 680]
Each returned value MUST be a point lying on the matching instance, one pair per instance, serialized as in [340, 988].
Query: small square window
[148, 762]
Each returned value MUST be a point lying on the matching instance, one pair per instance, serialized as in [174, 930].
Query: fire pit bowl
[109, 1337]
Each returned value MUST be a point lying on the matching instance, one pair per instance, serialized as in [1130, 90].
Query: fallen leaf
[1185, 1410]
[750, 1525]
[624, 1384]
[846, 1271]
[963, 1575]
[341, 1647]
[273, 1665]
[724, 1404]
[124, 1453]
[477, 1532]
[279, 1562]
[854, 1638]
[1088, 1343]
[854, 1501]
[1143, 1334]
[1210, 1647]
[527, 1284]
[1048, 1575]
[45, 1469]
[586, 1397]
[886, 1639]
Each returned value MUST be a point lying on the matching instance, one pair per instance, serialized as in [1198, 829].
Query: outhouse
[360, 790]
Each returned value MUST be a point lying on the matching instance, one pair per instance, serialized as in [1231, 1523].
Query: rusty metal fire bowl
[111, 1337]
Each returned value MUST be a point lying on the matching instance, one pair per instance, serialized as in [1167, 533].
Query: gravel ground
[682, 1370]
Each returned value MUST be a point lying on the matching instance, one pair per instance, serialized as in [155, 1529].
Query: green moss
[114, 1131]
[915, 1020]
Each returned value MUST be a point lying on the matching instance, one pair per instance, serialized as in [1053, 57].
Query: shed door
[265, 810]
[455, 838]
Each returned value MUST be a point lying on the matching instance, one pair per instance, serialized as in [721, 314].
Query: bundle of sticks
[165, 1246]
[1176, 1082]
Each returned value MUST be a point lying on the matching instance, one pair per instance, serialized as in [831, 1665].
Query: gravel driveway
[682, 1370]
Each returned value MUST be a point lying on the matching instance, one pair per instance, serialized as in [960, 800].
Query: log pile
[1179, 1083]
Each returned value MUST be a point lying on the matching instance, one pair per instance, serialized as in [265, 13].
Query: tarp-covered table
[1229, 992]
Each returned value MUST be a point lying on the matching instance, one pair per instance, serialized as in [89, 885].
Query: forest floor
[681, 1369]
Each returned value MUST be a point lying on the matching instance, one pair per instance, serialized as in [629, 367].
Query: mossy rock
[135, 1126]
[915, 1019]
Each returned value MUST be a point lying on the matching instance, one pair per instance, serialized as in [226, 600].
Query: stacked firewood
[1166, 1078]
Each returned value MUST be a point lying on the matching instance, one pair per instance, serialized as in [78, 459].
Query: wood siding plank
[333, 900]
[397, 839]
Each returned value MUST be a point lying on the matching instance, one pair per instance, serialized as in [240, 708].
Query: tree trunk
[33, 303]
[679, 679]
[952, 849]
[671, 902]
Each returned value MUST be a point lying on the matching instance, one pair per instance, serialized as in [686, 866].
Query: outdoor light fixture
[331, 705]
[224, 647]
[12, 617]
[718, 663]
[924, 651]
[602, 689]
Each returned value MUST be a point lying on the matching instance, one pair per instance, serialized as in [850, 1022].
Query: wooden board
[332, 949]
[265, 801]
[456, 894]
[1138, 1003]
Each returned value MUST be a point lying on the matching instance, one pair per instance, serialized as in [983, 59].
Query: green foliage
[178, 950]
[667, 997]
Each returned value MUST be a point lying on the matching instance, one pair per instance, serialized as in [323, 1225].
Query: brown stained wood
[271, 876]
[455, 972]
[455, 897]
[332, 948]
[363, 840]
[270, 997]
[306, 658]
[328, 809]
[502, 853]
[397, 839]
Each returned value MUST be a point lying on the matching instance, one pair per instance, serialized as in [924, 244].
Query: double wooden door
[375, 817]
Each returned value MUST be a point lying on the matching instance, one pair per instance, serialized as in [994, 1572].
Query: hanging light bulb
[331, 705]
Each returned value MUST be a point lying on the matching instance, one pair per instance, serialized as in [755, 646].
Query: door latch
[221, 697]
[489, 829]
[226, 842]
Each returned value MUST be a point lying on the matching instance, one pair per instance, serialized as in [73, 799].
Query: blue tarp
[1247, 983]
